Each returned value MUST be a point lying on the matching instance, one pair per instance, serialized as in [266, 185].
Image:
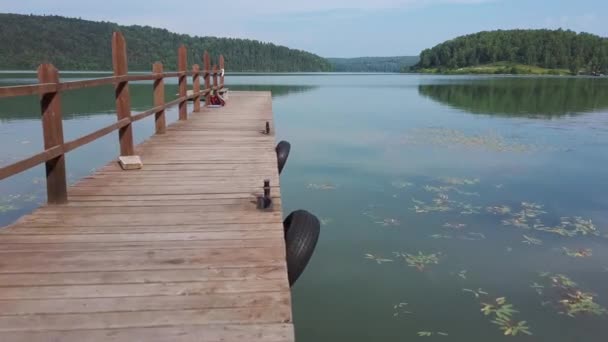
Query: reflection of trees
[91, 101]
[277, 90]
[531, 97]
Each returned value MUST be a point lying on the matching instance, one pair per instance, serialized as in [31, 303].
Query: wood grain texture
[176, 251]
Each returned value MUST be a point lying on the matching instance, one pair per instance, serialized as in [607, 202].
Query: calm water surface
[437, 194]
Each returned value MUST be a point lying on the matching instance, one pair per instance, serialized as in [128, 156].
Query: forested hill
[373, 64]
[75, 44]
[552, 49]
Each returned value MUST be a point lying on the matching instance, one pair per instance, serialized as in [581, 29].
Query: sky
[334, 28]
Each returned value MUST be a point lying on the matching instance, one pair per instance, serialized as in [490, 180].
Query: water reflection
[276, 89]
[525, 97]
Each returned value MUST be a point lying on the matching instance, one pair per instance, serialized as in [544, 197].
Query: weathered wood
[173, 252]
[222, 71]
[123, 100]
[182, 63]
[159, 100]
[207, 66]
[196, 87]
[52, 129]
[215, 77]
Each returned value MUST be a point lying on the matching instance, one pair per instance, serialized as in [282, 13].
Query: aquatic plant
[441, 236]
[570, 227]
[321, 186]
[569, 299]
[463, 274]
[420, 260]
[472, 236]
[459, 181]
[431, 333]
[477, 293]
[499, 210]
[399, 309]
[531, 241]
[454, 225]
[503, 317]
[389, 222]
[577, 253]
[401, 184]
[537, 287]
[377, 259]
[325, 221]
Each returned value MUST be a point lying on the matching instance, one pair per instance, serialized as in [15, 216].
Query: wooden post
[123, 100]
[221, 71]
[52, 130]
[182, 61]
[159, 99]
[207, 66]
[215, 77]
[196, 87]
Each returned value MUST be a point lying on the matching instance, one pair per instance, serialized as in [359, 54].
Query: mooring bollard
[265, 201]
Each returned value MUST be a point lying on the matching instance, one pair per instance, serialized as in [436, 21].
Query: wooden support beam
[159, 99]
[123, 100]
[182, 62]
[207, 66]
[222, 71]
[215, 76]
[196, 87]
[52, 130]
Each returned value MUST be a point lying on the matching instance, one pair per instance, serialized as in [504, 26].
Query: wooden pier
[175, 251]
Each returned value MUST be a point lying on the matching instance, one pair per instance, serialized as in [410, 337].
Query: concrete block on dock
[130, 162]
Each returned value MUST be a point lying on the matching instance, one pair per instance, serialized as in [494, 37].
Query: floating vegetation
[468, 209]
[570, 227]
[420, 260]
[441, 236]
[459, 181]
[569, 299]
[465, 193]
[443, 203]
[389, 222]
[499, 210]
[531, 241]
[400, 309]
[401, 184]
[8, 203]
[326, 221]
[377, 259]
[472, 236]
[503, 317]
[462, 274]
[455, 225]
[477, 293]
[431, 333]
[438, 189]
[452, 138]
[537, 287]
[4, 208]
[321, 186]
[577, 253]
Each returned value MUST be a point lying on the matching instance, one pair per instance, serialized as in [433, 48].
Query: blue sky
[334, 28]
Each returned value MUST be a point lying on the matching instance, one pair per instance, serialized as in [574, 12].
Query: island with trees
[553, 52]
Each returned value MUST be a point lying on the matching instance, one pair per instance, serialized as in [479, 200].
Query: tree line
[373, 64]
[552, 49]
[76, 44]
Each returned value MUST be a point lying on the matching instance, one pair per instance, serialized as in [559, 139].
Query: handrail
[49, 89]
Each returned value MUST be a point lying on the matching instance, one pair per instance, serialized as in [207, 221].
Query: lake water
[438, 195]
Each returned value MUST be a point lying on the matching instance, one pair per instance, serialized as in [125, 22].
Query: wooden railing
[50, 88]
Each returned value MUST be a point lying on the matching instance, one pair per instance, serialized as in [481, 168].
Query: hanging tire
[282, 150]
[302, 231]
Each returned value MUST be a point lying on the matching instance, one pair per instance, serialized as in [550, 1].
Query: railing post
[222, 71]
[182, 62]
[52, 130]
[123, 100]
[207, 66]
[159, 99]
[196, 87]
[215, 77]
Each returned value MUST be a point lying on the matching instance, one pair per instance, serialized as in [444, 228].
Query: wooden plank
[193, 333]
[52, 129]
[123, 100]
[196, 87]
